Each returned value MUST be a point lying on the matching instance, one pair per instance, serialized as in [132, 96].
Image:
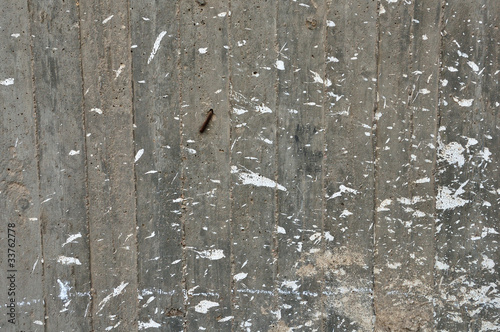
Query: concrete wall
[348, 180]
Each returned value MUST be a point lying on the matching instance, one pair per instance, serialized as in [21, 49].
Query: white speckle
[424, 91]
[97, 110]
[239, 111]
[215, 181]
[463, 102]
[382, 9]
[290, 284]
[452, 69]
[473, 66]
[378, 115]
[68, 260]
[444, 82]
[64, 288]
[72, 238]
[423, 180]
[330, 24]
[176, 262]
[255, 179]
[281, 230]
[292, 111]
[212, 254]
[133, 46]
[150, 236]
[204, 306]
[240, 276]
[156, 45]
[203, 50]
[147, 325]
[138, 155]
[74, 153]
[151, 172]
[223, 14]
[107, 19]
[241, 43]
[441, 265]
[15, 35]
[280, 65]
[393, 266]
[446, 200]
[424, 37]
[384, 204]
[177, 200]
[7, 81]
[263, 109]
[226, 319]
[191, 151]
[392, 1]
[141, 82]
[38, 322]
[487, 263]
[328, 236]
[345, 213]
[117, 291]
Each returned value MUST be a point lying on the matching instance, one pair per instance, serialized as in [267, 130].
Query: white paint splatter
[156, 45]
[441, 265]
[331, 59]
[446, 200]
[74, 153]
[290, 284]
[191, 151]
[328, 236]
[147, 325]
[343, 189]
[451, 152]
[15, 35]
[203, 50]
[226, 319]
[138, 155]
[473, 66]
[317, 79]
[281, 230]
[107, 19]
[119, 70]
[249, 177]
[223, 14]
[463, 102]
[485, 154]
[487, 263]
[280, 65]
[72, 238]
[345, 213]
[239, 111]
[212, 254]
[263, 109]
[452, 69]
[150, 236]
[117, 291]
[423, 180]
[384, 204]
[240, 276]
[151, 172]
[64, 288]
[7, 81]
[394, 266]
[97, 110]
[330, 24]
[68, 260]
[204, 306]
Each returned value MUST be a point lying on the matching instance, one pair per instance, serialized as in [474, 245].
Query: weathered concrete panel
[348, 179]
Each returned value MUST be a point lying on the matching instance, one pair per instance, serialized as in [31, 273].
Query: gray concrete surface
[348, 180]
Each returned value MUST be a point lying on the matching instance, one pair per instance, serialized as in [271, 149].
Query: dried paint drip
[207, 120]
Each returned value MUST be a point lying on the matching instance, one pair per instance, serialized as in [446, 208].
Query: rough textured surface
[347, 181]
